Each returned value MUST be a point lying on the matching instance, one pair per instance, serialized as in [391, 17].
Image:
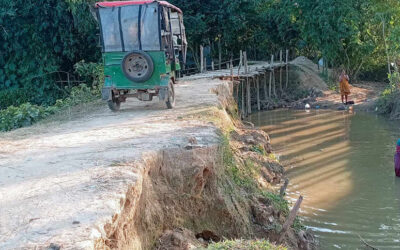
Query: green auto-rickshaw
[144, 44]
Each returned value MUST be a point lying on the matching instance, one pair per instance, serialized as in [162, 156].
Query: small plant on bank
[389, 102]
[273, 157]
[278, 202]
[244, 245]
[240, 176]
[298, 225]
[258, 149]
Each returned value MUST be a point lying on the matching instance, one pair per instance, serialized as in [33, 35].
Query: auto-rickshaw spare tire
[137, 66]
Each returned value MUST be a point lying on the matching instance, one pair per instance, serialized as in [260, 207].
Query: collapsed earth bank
[187, 197]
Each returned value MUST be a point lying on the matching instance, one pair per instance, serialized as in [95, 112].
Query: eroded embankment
[187, 197]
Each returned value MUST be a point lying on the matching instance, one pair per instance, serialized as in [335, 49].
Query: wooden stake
[273, 82]
[219, 54]
[270, 84]
[270, 75]
[287, 68]
[258, 93]
[248, 95]
[265, 86]
[289, 221]
[246, 69]
[212, 65]
[241, 58]
[243, 103]
[235, 83]
[280, 73]
[231, 68]
[283, 188]
[201, 59]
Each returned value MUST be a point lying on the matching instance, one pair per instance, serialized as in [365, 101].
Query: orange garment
[344, 85]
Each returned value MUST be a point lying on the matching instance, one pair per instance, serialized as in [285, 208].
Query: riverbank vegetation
[243, 244]
[48, 47]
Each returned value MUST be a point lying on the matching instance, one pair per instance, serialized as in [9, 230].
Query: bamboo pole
[258, 93]
[201, 59]
[273, 77]
[240, 62]
[241, 58]
[270, 75]
[246, 69]
[283, 188]
[205, 63]
[248, 95]
[231, 68]
[280, 73]
[235, 83]
[274, 82]
[219, 54]
[287, 68]
[270, 84]
[265, 86]
[243, 102]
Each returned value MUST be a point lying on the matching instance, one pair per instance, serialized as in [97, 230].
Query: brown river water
[342, 163]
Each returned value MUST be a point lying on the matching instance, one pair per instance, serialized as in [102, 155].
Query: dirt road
[60, 182]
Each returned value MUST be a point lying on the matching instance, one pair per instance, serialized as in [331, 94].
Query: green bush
[44, 36]
[91, 73]
[24, 115]
[278, 202]
[389, 103]
[14, 97]
[27, 113]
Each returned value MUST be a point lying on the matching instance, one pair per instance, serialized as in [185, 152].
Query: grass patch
[298, 225]
[258, 149]
[243, 175]
[212, 114]
[278, 202]
[244, 244]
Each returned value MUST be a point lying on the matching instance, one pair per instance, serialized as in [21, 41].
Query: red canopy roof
[124, 3]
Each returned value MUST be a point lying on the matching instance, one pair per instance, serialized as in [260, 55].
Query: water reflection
[343, 165]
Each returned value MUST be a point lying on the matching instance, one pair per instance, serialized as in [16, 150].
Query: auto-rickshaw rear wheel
[114, 104]
[171, 95]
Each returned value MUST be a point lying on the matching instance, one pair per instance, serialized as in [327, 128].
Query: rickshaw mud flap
[163, 94]
[106, 93]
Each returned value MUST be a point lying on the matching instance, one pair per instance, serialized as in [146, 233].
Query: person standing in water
[344, 86]
[397, 159]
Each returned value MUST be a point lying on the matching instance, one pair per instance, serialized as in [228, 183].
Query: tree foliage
[40, 37]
